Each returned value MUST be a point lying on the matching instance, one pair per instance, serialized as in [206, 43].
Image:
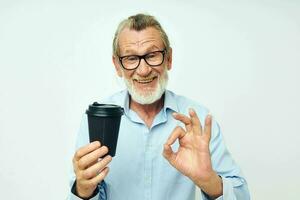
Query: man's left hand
[193, 156]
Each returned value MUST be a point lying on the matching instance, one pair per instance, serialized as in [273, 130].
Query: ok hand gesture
[193, 156]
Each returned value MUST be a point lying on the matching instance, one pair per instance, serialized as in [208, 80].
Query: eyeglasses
[153, 59]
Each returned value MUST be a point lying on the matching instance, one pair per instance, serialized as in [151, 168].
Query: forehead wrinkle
[135, 42]
[140, 44]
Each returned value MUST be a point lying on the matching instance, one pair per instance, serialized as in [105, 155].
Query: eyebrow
[132, 52]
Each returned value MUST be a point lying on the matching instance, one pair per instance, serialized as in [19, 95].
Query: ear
[169, 59]
[117, 65]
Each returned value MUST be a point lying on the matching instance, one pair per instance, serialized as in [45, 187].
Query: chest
[139, 166]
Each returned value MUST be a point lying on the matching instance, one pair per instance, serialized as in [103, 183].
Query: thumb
[168, 153]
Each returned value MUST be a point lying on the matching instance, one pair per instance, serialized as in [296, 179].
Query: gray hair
[139, 22]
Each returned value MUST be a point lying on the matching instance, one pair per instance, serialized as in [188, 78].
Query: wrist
[83, 194]
[212, 186]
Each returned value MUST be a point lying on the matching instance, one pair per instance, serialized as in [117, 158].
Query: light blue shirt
[140, 172]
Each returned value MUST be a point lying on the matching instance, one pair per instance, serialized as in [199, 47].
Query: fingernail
[191, 110]
[209, 114]
[96, 143]
[209, 117]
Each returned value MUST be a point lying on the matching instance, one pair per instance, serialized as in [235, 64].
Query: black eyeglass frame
[163, 52]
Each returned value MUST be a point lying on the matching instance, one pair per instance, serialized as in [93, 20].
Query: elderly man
[168, 145]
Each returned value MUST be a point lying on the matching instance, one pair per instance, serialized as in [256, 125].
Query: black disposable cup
[104, 124]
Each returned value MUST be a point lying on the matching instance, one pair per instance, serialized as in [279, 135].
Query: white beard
[148, 96]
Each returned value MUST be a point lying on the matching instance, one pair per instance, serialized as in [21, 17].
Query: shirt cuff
[228, 192]
[74, 197]
[73, 194]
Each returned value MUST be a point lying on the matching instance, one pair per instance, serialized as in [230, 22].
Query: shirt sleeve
[99, 194]
[83, 139]
[234, 183]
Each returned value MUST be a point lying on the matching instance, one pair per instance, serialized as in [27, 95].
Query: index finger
[184, 119]
[86, 149]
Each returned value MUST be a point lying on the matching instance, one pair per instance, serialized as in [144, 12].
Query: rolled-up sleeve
[234, 183]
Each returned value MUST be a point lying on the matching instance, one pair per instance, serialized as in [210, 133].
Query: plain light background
[241, 59]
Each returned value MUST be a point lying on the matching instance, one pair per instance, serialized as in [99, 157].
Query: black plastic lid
[104, 110]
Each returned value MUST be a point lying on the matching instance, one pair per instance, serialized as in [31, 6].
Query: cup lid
[104, 110]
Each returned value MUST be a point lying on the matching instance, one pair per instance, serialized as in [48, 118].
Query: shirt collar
[170, 101]
[126, 102]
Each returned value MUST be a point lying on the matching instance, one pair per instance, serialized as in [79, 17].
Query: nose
[143, 69]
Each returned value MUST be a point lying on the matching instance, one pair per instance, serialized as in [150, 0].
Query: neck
[147, 112]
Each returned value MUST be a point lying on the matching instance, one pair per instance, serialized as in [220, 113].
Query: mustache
[151, 76]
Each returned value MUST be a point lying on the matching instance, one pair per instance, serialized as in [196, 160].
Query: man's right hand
[89, 169]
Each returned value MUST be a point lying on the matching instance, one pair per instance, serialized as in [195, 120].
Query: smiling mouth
[145, 81]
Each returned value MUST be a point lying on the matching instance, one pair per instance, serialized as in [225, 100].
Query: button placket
[148, 166]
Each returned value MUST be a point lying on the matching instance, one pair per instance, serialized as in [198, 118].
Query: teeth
[145, 80]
